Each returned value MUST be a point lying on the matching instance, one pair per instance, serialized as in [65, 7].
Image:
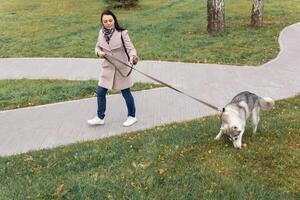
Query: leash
[108, 57]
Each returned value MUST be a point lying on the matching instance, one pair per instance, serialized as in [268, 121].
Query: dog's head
[232, 128]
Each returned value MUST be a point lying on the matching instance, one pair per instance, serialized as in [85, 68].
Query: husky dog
[236, 113]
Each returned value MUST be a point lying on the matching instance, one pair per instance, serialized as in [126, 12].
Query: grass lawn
[24, 92]
[176, 161]
[170, 30]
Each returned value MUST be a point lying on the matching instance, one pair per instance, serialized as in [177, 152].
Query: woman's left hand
[134, 60]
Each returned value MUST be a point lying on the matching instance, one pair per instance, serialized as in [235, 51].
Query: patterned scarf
[108, 33]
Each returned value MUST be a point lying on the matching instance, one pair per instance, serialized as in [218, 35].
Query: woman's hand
[101, 54]
[134, 60]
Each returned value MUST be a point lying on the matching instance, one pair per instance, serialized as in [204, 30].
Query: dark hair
[117, 26]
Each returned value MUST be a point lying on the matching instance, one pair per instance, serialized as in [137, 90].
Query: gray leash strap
[127, 65]
[108, 57]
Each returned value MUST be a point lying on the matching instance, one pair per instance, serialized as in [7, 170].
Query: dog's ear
[243, 104]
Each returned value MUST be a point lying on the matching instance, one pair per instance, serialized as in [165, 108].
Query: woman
[114, 40]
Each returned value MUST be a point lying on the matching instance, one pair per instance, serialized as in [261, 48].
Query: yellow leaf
[161, 158]
[59, 189]
[29, 158]
[161, 171]
[134, 164]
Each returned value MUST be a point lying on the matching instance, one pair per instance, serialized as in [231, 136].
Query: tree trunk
[257, 13]
[215, 15]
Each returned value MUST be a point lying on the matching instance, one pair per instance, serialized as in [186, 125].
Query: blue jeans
[101, 100]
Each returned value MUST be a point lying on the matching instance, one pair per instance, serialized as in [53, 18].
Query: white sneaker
[95, 121]
[129, 121]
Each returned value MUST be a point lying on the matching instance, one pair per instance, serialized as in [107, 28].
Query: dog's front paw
[217, 137]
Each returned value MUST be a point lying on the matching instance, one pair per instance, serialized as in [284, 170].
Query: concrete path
[48, 126]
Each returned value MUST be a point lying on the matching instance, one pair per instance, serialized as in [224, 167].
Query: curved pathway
[48, 126]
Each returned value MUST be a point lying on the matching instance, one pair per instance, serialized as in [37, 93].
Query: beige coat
[110, 78]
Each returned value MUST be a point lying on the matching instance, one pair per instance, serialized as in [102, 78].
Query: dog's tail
[266, 103]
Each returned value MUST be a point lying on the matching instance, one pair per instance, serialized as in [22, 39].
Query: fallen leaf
[161, 171]
[29, 158]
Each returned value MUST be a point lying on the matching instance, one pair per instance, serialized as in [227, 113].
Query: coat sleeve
[98, 48]
[128, 44]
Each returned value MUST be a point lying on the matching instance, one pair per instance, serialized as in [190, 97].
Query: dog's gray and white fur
[236, 113]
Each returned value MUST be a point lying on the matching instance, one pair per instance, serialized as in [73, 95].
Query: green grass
[176, 161]
[24, 92]
[161, 30]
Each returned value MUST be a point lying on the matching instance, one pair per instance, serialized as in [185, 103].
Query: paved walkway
[57, 124]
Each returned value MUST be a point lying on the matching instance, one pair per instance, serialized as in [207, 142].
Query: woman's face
[108, 21]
